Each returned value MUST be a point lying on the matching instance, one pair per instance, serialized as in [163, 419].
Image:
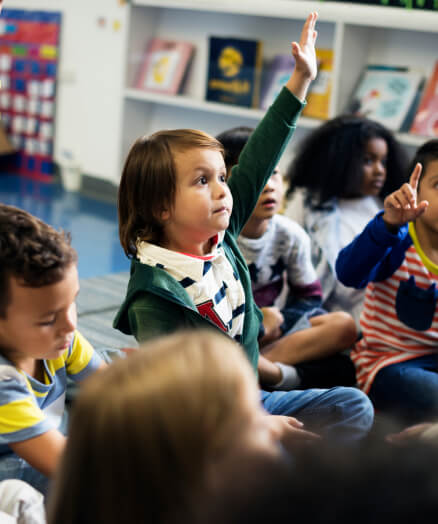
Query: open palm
[304, 51]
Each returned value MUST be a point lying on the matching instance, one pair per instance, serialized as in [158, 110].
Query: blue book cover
[234, 69]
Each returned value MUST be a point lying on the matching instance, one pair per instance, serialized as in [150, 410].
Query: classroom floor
[92, 223]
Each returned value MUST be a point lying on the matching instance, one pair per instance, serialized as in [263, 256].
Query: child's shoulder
[286, 225]
[10, 376]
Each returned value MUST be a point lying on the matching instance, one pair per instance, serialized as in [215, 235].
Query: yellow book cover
[318, 99]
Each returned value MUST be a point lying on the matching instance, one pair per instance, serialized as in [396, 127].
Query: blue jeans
[408, 390]
[14, 467]
[341, 414]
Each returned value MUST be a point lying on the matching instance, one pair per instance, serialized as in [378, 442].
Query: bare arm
[42, 452]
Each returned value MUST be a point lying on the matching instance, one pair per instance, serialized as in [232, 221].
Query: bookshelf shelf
[188, 102]
[358, 34]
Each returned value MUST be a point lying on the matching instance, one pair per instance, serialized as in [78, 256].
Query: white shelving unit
[358, 34]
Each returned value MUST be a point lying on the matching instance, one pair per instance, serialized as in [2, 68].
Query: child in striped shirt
[396, 259]
[39, 344]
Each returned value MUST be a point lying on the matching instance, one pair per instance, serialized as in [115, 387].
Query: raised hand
[304, 52]
[305, 59]
[401, 206]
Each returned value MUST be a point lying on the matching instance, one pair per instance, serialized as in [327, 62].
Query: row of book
[401, 98]
[236, 73]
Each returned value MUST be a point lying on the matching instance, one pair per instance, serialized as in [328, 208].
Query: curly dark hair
[31, 251]
[329, 161]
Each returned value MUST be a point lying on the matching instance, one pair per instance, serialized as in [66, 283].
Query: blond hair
[144, 429]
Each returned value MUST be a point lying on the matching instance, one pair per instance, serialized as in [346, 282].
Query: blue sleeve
[372, 256]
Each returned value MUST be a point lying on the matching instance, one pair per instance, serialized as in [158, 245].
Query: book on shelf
[275, 76]
[388, 95]
[165, 66]
[426, 118]
[234, 69]
[319, 95]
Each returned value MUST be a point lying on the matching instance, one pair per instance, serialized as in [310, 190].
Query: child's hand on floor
[410, 434]
[289, 431]
[401, 205]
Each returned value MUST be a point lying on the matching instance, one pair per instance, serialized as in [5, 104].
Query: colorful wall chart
[29, 49]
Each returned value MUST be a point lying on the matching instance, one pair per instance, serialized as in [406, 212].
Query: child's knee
[345, 327]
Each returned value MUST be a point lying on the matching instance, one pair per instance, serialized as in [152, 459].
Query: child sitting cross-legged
[396, 259]
[39, 344]
[285, 286]
[179, 221]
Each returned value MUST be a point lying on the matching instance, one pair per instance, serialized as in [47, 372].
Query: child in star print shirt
[286, 288]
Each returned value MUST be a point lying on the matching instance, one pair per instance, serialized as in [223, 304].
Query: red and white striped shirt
[386, 339]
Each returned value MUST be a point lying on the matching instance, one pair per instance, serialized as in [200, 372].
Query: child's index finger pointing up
[415, 177]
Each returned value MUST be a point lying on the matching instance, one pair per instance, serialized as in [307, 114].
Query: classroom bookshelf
[359, 34]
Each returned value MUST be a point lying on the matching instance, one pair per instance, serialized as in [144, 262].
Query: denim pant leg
[342, 414]
[408, 390]
[14, 467]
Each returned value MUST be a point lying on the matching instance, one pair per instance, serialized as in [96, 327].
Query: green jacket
[155, 302]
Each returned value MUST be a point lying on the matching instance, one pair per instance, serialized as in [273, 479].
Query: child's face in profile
[39, 321]
[374, 167]
[428, 190]
[271, 199]
[203, 201]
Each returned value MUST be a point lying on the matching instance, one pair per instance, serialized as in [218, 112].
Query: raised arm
[379, 250]
[265, 146]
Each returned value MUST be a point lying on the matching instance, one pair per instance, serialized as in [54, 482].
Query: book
[426, 118]
[277, 74]
[319, 95]
[386, 94]
[165, 66]
[234, 69]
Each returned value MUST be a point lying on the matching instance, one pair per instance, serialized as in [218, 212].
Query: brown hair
[31, 251]
[144, 429]
[148, 184]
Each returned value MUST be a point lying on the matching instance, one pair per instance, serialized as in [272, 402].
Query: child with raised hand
[395, 258]
[285, 287]
[338, 180]
[179, 221]
[39, 344]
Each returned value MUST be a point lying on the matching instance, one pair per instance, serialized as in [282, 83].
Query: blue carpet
[92, 223]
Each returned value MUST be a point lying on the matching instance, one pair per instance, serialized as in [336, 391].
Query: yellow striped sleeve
[81, 354]
[19, 414]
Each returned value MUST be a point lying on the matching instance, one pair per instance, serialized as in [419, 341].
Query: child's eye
[202, 180]
[47, 322]
[223, 178]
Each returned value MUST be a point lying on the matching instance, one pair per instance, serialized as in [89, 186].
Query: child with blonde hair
[179, 221]
[162, 446]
